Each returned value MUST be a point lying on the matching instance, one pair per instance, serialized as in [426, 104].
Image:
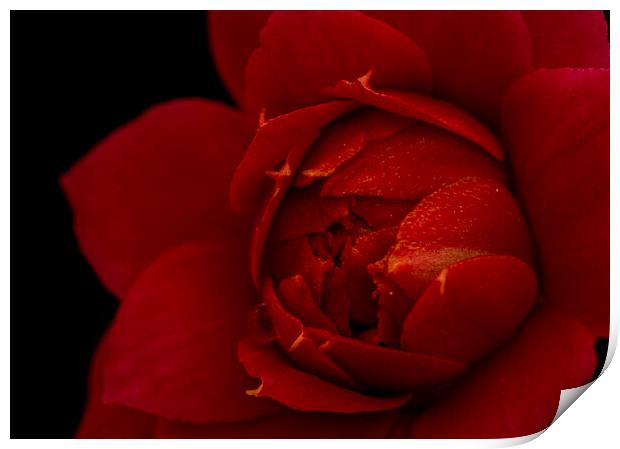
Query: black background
[76, 76]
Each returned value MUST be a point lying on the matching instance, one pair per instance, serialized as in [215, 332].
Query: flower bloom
[402, 231]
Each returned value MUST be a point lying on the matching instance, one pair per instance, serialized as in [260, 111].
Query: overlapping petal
[384, 368]
[305, 392]
[471, 308]
[172, 346]
[468, 218]
[556, 123]
[516, 392]
[234, 35]
[271, 145]
[474, 55]
[303, 52]
[413, 164]
[157, 182]
[420, 107]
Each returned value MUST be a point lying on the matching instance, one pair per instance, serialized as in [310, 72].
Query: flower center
[379, 208]
[390, 241]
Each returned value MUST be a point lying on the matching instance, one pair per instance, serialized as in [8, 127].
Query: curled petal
[272, 144]
[283, 140]
[302, 391]
[423, 108]
[386, 369]
[471, 308]
[344, 139]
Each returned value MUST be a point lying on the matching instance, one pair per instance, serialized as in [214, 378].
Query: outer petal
[110, 421]
[516, 392]
[172, 347]
[302, 391]
[234, 36]
[557, 125]
[159, 181]
[290, 424]
[568, 38]
[303, 52]
[475, 55]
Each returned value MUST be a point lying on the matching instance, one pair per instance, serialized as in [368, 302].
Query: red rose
[413, 242]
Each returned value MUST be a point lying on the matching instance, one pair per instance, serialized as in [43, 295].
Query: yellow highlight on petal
[255, 391]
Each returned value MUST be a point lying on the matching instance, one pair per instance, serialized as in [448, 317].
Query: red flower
[414, 240]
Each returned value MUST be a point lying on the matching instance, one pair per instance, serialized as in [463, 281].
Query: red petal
[568, 38]
[234, 36]
[290, 424]
[475, 55]
[336, 301]
[516, 392]
[110, 421]
[356, 257]
[379, 213]
[463, 220]
[394, 305]
[386, 369]
[287, 259]
[172, 345]
[344, 139]
[291, 336]
[284, 139]
[272, 144]
[471, 308]
[557, 125]
[297, 299]
[411, 165]
[302, 391]
[427, 109]
[159, 181]
[304, 211]
[303, 52]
